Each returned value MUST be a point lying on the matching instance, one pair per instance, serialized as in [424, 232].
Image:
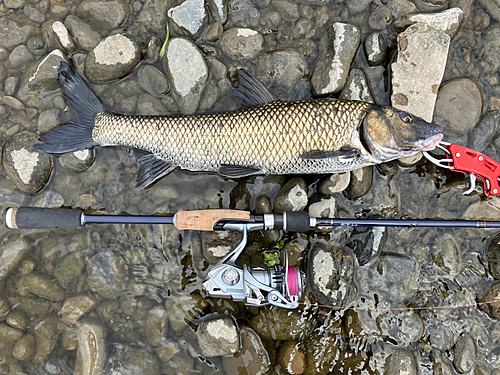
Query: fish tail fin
[84, 106]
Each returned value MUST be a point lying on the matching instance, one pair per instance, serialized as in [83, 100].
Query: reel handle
[41, 218]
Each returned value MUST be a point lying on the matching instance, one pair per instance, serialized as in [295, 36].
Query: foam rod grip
[297, 221]
[41, 218]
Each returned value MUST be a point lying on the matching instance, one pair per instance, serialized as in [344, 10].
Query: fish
[266, 136]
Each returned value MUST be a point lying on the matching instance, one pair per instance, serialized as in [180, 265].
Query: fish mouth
[432, 142]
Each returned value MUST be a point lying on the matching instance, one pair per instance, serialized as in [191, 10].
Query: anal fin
[150, 169]
[237, 171]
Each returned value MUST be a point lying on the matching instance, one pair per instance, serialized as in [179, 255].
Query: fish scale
[270, 137]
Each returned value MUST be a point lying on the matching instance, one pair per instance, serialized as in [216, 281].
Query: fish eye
[405, 117]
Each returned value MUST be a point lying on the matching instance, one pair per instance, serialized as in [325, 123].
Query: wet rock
[332, 68]
[104, 13]
[358, 6]
[39, 87]
[189, 18]
[419, 69]
[13, 251]
[14, 4]
[292, 196]
[74, 307]
[401, 7]
[187, 71]
[493, 255]
[156, 325]
[92, 347]
[465, 354]
[17, 319]
[280, 324]
[106, 273]
[360, 182]
[485, 131]
[183, 308]
[401, 360]
[36, 46]
[322, 349]
[441, 364]
[113, 58]
[152, 81]
[263, 206]
[491, 294]
[449, 21]
[69, 268]
[33, 14]
[380, 18]
[20, 57]
[399, 275]
[149, 106]
[78, 161]
[24, 348]
[63, 37]
[16, 30]
[216, 245]
[9, 333]
[10, 85]
[48, 120]
[446, 255]
[13, 103]
[41, 286]
[410, 160]
[46, 331]
[242, 44]
[330, 275]
[375, 49]
[213, 32]
[131, 361]
[218, 336]
[324, 208]
[336, 183]
[167, 350]
[153, 49]
[356, 87]
[82, 32]
[291, 357]
[29, 169]
[459, 105]
[4, 308]
[243, 14]
[218, 9]
[253, 356]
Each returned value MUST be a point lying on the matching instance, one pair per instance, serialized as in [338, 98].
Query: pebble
[13, 251]
[491, 294]
[291, 357]
[465, 354]
[324, 208]
[243, 14]
[292, 196]
[37, 46]
[216, 245]
[106, 272]
[152, 81]
[189, 18]
[104, 14]
[401, 7]
[380, 18]
[330, 275]
[446, 255]
[24, 348]
[113, 58]
[441, 364]
[280, 324]
[75, 307]
[41, 286]
[63, 37]
[485, 131]
[399, 275]
[213, 32]
[14, 4]
[16, 30]
[187, 71]
[400, 359]
[375, 47]
[92, 347]
[46, 331]
[335, 183]
[183, 308]
[448, 21]
[8, 334]
[253, 356]
[241, 43]
[13, 103]
[218, 336]
[356, 87]
[156, 325]
[218, 10]
[153, 49]
[360, 182]
[17, 319]
[10, 85]
[69, 268]
[86, 37]
[332, 68]
[419, 69]
[322, 349]
[4, 308]
[29, 169]
[78, 161]
[492, 254]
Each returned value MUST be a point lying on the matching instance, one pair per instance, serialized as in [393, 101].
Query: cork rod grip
[206, 219]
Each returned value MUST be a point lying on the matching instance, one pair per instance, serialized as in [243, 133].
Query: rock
[74, 307]
[399, 276]
[16, 30]
[492, 254]
[36, 45]
[187, 71]
[292, 196]
[491, 294]
[92, 347]
[41, 286]
[131, 361]
[419, 69]
[358, 6]
[322, 349]
[33, 14]
[154, 16]
[156, 325]
[63, 37]
[216, 245]
[280, 324]
[263, 206]
[291, 357]
[335, 183]
[82, 32]
[13, 251]
[485, 131]
[49, 199]
[360, 182]
[218, 10]
[17, 319]
[242, 44]
[459, 105]
[465, 354]
[324, 208]
[218, 336]
[29, 169]
[13, 103]
[189, 18]
[446, 255]
[4, 308]
[24, 348]
[441, 364]
[106, 273]
[213, 32]
[356, 87]
[105, 14]
[20, 57]
[380, 18]
[448, 21]
[253, 356]
[14, 4]
[167, 350]
[39, 87]
[46, 331]
[153, 49]
[492, 7]
[113, 58]
[8, 334]
[330, 275]
[48, 120]
[10, 85]
[69, 268]
[401, 360]
[332, 68]
[483, 210]
[78, 161]
[152, 81]
[243, 14]
[401, 7]
[183, 308]
[375, 49]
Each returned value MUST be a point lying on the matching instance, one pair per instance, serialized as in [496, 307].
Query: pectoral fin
[251, 91]
[344, 153]
[237, 171]
[150, 169]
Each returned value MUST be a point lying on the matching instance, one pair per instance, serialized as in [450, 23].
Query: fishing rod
[281, 286]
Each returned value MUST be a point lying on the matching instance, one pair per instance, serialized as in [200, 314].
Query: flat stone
[219, 336]
[152, 81]
[63, 37]
[356, 87]
[75, 307]
[448, 21]
[92, 347]
[242, 43]
[106, 14]
[418, 70]
[292, 196]
[42, 286]
[335, 183]
[360, 182]
[218, 9]
[375, 48]
[189, 18]
[82, 32]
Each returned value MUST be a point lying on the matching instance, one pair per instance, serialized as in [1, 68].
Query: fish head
[390, 133]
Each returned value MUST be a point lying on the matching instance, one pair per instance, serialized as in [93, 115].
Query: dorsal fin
[251, 91]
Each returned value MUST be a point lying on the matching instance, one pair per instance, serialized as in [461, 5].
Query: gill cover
[390, 133]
